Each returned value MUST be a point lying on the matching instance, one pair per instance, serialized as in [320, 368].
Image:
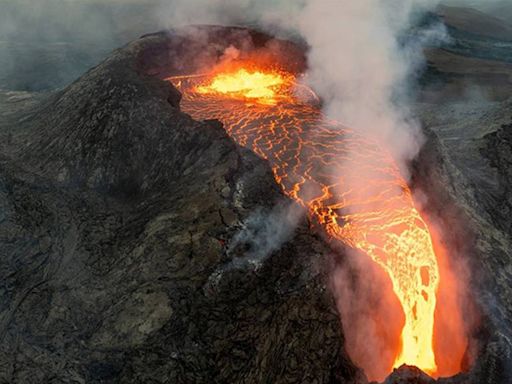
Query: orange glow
[262, 86]
[350, 186]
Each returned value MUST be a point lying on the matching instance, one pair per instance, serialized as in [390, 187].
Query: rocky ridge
[116, 217]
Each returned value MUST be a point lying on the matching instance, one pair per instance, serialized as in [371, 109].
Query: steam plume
[358, 62]
[265, 232]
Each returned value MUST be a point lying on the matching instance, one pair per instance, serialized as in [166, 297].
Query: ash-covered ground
[116, 212]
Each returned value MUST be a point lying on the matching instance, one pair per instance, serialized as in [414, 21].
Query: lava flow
[321, 164]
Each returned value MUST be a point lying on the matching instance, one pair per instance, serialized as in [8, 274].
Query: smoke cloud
[263, 233]
[360, 62]
[358, 67]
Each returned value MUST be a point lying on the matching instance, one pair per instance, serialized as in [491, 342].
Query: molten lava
[321, 164]
[251, 85]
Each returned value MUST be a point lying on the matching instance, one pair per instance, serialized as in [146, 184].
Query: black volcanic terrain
[117, 211]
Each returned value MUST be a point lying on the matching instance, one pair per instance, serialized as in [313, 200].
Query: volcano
[131, 203]
[264, 107]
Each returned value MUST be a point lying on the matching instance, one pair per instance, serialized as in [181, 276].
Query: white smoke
[357, 65]
[264, 232]
[358, 62]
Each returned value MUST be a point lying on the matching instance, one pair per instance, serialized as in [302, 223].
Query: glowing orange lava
[349, 185]
[263, 86]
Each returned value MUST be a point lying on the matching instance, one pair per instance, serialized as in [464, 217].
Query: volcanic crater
[124, 197]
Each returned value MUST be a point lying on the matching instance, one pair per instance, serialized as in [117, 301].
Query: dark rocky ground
[470, 143]
[468, 123]
[117, 212]
[116, 216]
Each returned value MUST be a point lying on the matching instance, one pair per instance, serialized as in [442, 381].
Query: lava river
[349, 185]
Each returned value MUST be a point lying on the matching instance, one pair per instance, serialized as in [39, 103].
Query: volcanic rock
[464, 171]
[497, 148]
[408, 375]
[116, 216]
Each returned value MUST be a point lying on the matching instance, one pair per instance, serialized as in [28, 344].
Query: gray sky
[47, 43]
